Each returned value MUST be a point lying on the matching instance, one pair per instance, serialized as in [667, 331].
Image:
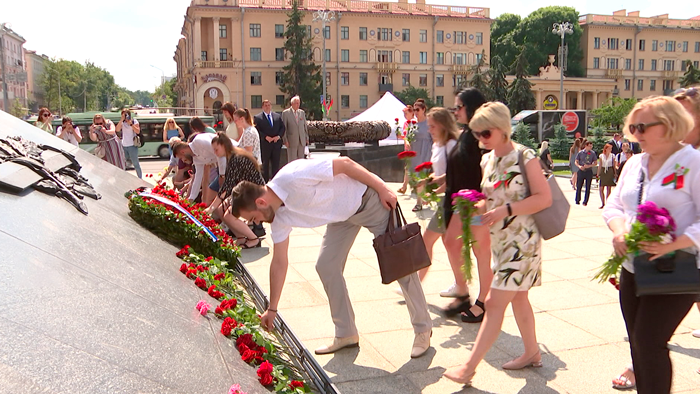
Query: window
[596, 62]
[222, 31]
[697, 46]
[363, 56]
[641, 45]
[223, 54]
[440, 37]
[255, 101]
[653, 64]
[344, 32]
[696, 63]
[363, 79]
[640, 85]
[344, 55]
[256, 78]
[424, 58]
[406, 79]
[460, 37]
[383, 34]
[459, 58]
[279, 75]
[203, 56]
[440, 101]
[479, 38]
[345, 79]
[669, 65]
[596, 43]
[363, 101]
[670, 46]
[628, 44]
[279, 31]
[627, 84]
[652, 85]
[328, 79]
[279, 54]
[327, 32]
[255, 30]
[668, 84]
[406, 57]
[478, 58]
[328, 55]
[406, 35]
[685, 46]
[384, 56]
[641, 65]
[279, 99]
[612, 43]
[440, 58]
[423, 36]
[255, 54]
[308, 30]
[344, 101]
[458, 80]
[363, 34]
[684, 66]
[628, 64]
[613, 63]
[654, 45]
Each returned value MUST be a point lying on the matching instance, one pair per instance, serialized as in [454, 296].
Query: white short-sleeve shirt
[203, 155]
[312, 196]
[439, 156]
[128, 133]
[70, 137]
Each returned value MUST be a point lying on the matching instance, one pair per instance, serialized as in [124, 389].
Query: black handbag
[675, 273]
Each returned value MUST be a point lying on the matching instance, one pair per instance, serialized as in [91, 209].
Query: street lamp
[162, 79]
[562, 29]
[324, 17]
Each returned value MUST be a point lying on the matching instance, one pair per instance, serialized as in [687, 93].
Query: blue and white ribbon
[166, 201]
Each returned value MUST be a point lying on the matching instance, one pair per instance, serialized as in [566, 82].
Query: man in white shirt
[68, 132]
[200, 153]
[128, 128]
[344, 196]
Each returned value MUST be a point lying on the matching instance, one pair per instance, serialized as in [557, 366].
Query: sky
[135, 40]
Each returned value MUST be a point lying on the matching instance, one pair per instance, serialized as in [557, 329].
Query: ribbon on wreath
[179, 207]
[676, 178]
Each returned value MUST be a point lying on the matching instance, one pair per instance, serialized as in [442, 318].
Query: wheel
[164, 152]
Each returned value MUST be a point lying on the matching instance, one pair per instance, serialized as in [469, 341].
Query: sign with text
[214, 77]
[570, 121]
[550, 102]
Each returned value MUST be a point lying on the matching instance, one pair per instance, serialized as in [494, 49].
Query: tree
[17, 109]
[502, 42]
[479, 79]
[301, 76]
[691, 76]
[498, 86]
[599, 139]
[521, 134]
[560, 145]
[409, 96]
[164, 95]
[520, 96]
[82, 87]
[613, 113]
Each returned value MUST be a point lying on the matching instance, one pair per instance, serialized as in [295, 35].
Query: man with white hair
[296, 137]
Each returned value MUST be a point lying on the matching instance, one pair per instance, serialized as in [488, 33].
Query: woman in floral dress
[515, 240]
[103, 132]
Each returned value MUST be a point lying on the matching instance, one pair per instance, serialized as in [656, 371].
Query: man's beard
[268, 214]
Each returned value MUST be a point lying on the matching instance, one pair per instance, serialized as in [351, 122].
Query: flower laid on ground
[241, 323]
[464, 203]
[236, 389]
[652, 224]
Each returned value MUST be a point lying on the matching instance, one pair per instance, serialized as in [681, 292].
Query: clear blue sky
[127, 37]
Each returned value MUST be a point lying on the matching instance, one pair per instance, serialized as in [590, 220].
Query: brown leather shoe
[339, 343]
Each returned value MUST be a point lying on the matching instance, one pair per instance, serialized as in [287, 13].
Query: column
[216, 38]
[579, 100]
[197, 38]
[595, 100]
[538, 105]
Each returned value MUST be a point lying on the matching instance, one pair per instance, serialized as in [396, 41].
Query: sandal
[469, 317]
[402, 190]
[463, 306]
[244, 244]
[417, 208]
[622, 382]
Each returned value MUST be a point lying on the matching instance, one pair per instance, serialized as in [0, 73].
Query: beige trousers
[335, 247]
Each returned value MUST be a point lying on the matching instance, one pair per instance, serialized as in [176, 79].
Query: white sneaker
[450, 291]
[696, 333]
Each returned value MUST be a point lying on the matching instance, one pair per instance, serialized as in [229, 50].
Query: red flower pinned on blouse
[424, 166]
[407, 154]
[677, 178]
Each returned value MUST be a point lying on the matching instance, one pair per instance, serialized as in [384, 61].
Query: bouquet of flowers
[407, 132]
[653, 224]
[428, 192]
[464, 203]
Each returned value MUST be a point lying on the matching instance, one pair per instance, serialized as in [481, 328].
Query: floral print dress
[515, 241]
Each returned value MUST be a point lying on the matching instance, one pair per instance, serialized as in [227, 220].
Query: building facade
[36, 95]
[233, 51]
[644, 56]
[13, 49]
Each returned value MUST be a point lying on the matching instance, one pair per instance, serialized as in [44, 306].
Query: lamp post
[562, 29]
[324, 17]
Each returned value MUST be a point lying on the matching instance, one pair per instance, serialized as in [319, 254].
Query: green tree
[301, 76]
[164, 95]
[612, 114]
[141, 97]
[409, 96]
[521, 134]
[520, 96]
[691, 76]
[599, 139]
[502, 42]
[560, 145]
[480, 77]
[498, 86]
[17, 109]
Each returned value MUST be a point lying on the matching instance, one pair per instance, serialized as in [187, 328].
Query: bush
[560, 145]
[599, 139]
[521, 134]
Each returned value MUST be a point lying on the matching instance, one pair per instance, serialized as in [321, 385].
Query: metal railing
[460, 69]
[613, 73]
[214, 64]
[387, 67]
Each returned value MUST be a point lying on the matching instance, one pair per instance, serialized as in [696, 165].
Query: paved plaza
[579, 324]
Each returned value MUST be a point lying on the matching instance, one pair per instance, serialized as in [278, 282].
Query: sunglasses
[457, 108]
[99, 124]
[641, 127]
[45, 114]
[691, 92]
[486, 134]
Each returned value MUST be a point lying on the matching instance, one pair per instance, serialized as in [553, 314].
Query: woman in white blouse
[606, 173]
[250, 139]
[659, 124]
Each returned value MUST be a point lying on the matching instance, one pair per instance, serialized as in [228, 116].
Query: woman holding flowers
[515, 239]
[667, 174]
[422, 143]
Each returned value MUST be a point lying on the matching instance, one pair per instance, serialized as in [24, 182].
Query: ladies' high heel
[463, 306]
[465, 380]
[469, 317]
[513, 365]
[244, 244]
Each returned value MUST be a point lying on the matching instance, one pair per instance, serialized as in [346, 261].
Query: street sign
[570, 121]
[21, 77]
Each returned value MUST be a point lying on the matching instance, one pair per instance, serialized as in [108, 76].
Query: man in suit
[271, 130]
[296, 136]
[616, 143]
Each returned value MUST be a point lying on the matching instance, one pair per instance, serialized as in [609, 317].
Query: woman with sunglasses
[659, 124]
[104, 133]
[171, 129]
[44, 120]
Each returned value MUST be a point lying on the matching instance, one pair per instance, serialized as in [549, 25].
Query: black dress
[239, 168]
[463, 169]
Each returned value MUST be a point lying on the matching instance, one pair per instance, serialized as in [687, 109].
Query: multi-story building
[644, 56]
[36, 94]
[13, 45]
[232, 50]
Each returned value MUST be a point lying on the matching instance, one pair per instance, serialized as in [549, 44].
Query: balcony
[387, 67]
[460, 69]
[672, 74]
[213, 64]
[613, 74]
[386, 87]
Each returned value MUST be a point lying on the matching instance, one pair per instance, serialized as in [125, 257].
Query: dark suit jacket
[615, 148]
[264, 128]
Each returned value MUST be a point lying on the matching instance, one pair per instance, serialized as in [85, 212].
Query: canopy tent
[387, 108]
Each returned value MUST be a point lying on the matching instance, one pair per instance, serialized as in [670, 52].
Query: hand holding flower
[620, 245]
[657, 249]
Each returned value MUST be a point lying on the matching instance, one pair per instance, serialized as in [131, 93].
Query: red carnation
[192, 273]
[226, 329]
[220, 276]
[208, 258]
[295, 383]
[200, 268]
[614, 282]
[396, 120]
[246, 339]
[183, 268]
[413, 121]
[201, 283]
[407, 154]
[218, 311]
[265, 368]
[248, 356]
[266, 379]
[424, 166]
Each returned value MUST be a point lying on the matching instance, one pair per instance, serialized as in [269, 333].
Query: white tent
[387, 108]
